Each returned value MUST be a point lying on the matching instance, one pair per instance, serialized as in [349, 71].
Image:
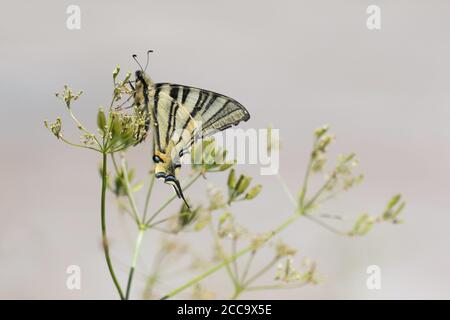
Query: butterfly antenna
[148, 55]
[135, 59]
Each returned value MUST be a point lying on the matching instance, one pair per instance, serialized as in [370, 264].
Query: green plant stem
[243, 285]
[326, 225]
[261, 272]
[300, 211]
[137, 248]
[286, 190]
[233, 251]
[128, 192]
[149, 194]
[305, 184]
[240, 253]
[154, 224]
[77, 145]
[309, 204]
[80, 126]
[247, 266]
[185, 187]
[224, 256]
[321, 190]
[162, 229]
[237, 293]
[103, 222]
[306, 178]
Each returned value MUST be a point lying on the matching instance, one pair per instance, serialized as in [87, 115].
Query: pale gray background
[295, 64]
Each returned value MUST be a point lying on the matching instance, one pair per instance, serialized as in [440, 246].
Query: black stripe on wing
[204, 112]
[155, 117]
[172, 115]
[209, 107]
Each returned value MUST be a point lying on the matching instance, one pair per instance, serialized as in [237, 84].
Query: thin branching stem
[304, 189]
[332, 216]
[321, 190]
[237, 293]
[137, 247]
[80, 126]
[326, 225]
[163, 230]
[240, 253]
[103, 222]
[233, 251]
[223, 256]
[185, 187]
[149, 194]
[299, 212]
[262, 271]
[303, 204]
[154, 224]
[309, 204]
[243, 286]
[247, 265]
[128, 191]
[77, 145]
[287, 191]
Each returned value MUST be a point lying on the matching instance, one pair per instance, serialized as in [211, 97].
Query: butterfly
[178, 116]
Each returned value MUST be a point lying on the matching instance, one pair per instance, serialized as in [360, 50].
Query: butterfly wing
[180, 115]
[183, 114]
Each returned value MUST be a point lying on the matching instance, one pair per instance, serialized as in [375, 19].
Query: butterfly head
[167, 170]
[143, 78]
[142, 82]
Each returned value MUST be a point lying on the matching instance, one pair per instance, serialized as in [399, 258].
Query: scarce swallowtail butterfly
[177, 116]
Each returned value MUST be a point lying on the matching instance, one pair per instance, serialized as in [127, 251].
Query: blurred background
[293, 64]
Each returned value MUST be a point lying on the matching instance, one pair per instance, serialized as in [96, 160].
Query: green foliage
[362, 225]
[365, 222]
[54, 127]
[207, 157]
[237, 187]
[286, 272]
[118, 131]
[118, 186]
[393, 209]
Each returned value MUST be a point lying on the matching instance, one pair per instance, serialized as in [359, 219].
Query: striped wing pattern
[181, 114]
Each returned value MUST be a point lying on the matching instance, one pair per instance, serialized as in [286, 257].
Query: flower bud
[253, 192]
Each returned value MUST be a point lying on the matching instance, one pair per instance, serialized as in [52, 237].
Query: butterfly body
[178, 115]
